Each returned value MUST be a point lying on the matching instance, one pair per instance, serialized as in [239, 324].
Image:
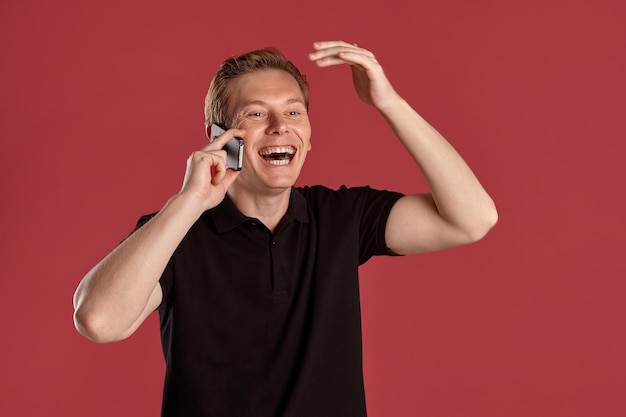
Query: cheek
[303, 128]
[240, 122]
[307, 132]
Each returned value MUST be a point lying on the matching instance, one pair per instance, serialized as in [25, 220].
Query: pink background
[102, 104]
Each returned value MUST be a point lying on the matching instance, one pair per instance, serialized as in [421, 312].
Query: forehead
[264, 86]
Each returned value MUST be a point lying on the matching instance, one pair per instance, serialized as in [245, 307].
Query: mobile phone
[234, 147]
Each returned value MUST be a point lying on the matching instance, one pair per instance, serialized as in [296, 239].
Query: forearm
[115, 294]
[460, 199]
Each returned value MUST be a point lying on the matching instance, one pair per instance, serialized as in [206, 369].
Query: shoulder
[351, 199]
[312, 192]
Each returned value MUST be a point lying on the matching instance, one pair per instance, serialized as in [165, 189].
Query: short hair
[217, 99]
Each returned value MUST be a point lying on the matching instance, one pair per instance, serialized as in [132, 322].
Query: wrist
[391, 104]
[187, 205]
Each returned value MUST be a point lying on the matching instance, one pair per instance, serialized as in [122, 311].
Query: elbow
[475, 227]
[95, 327]
[489, 219]
[483, 224]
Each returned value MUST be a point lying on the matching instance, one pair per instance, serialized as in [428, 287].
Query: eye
[296, 112]
[255, 115]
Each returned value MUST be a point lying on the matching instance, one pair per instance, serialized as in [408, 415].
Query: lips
[277, 155]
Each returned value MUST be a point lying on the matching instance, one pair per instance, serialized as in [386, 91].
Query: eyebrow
[261, 102]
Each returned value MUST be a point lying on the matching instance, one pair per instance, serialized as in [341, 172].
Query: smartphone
[234, 147]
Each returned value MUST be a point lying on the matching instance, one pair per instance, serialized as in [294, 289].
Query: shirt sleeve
[373, 211]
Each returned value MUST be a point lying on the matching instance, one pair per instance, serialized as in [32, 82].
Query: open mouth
[278, 155]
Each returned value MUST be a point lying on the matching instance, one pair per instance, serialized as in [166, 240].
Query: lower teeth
[278, 161]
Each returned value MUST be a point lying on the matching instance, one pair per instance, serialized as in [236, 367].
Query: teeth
[279, 161]
[269, 151]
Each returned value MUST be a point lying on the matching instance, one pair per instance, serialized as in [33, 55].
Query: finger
[222, 175]
[220, 141]
[218, 171]
[209, 163]
[350, 58]
[229, 177]
[212, 157]
[343, 56]
[332, 44]
[324, 49]
[337, 52]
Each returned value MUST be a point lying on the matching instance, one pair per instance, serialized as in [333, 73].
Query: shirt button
[274, 242]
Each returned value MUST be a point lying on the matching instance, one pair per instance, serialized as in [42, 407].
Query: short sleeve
[374, 207]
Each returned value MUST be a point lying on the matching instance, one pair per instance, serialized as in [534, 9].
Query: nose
[277, 125]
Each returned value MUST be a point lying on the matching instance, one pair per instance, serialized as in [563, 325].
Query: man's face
[269, 105]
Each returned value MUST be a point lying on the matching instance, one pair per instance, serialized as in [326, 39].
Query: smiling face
[270, 106]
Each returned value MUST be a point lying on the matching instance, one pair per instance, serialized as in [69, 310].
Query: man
[255, 281]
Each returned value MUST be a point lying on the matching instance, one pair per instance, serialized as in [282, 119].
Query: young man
[255, 281]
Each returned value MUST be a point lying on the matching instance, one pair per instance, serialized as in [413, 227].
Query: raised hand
[207, 177]
[368, 76]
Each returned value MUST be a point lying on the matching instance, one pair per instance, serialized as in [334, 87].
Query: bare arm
[117, 295]
[458, 210]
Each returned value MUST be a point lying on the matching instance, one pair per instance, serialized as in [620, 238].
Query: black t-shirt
[268, 325]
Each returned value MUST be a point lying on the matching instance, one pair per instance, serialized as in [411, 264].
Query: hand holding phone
[234, 147]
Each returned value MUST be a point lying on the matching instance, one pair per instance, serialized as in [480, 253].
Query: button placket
[280, 279]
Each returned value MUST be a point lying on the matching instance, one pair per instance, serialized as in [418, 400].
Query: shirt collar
[226, 216]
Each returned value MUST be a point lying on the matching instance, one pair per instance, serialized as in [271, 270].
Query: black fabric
[261, 324]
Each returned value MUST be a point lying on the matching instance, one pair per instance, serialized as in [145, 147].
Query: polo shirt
[262, 324]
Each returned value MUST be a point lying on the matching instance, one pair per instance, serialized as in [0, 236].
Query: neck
[268, 208]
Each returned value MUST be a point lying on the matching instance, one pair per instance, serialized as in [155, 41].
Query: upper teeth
[268, 151]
